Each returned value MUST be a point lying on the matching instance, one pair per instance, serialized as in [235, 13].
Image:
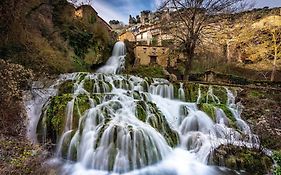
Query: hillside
[245, 41]
[53, 36]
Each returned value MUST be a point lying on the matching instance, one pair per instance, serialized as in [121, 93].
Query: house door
[153, 59]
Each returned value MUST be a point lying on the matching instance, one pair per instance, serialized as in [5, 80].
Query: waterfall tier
[126, 124]
[115, 64]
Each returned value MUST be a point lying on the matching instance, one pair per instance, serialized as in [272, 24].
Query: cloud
[108, 12]
[121, 9]
[118, 9]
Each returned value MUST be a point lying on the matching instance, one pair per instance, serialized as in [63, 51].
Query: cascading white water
[116, 62]
[132, 125]
[112, 136]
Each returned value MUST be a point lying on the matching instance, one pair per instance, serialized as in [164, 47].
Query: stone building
[146, 55]
[127, 36]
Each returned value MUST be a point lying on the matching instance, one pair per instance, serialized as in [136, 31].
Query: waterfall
[116, 62]
[104, 123]
[115, 124]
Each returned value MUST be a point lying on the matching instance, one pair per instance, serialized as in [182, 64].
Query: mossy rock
[227, 111]
[191, 91]
[66, 87]
[141, 112]
[55, 115]
[154, 71]
[252, 161]
[209, 109]
[81, 104]
[88, 85]
[176, 90]
[221, 93]
[158, 121]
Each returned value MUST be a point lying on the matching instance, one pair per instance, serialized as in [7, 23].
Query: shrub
[277, 159]
[14, 79]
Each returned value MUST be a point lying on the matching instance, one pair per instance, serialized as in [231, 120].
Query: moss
[256, 94]
[176, 90]
[55, 117]
[66, 87]
[81, 104]
[141, 113]
[97, 98]
[136, 95]
[89, 85]
[158, 121]
[221, 93]
[145, 86]
[252, 161]
[153, 71]
[227, 111]
[191, 91]
[208, 109]
[82, 76]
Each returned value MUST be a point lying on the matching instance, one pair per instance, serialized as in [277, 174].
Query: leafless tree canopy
[190, 21]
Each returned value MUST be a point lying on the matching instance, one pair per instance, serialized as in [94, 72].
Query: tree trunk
[188, 61]
[273, 73]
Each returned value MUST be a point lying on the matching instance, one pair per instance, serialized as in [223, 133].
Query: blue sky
[121, 9]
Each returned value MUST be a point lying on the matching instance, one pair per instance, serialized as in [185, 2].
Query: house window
[153, 59]
[144, 50]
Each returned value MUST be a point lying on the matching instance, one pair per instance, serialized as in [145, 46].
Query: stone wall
[146, 55]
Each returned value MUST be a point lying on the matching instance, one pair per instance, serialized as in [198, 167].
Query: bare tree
[191, 21]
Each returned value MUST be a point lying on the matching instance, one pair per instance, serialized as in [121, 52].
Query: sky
[121, 9]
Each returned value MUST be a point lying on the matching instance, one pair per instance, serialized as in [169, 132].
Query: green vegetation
[20, 158]
[141, 112]
[54, 39]
[55, 117]
[242, 158]
[277, 159]
[153, 71]
[209, 109]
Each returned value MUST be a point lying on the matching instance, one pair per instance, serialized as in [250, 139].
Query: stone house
[147, 55]
[127, 36]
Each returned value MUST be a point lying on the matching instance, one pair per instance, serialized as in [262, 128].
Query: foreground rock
[253, 161]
